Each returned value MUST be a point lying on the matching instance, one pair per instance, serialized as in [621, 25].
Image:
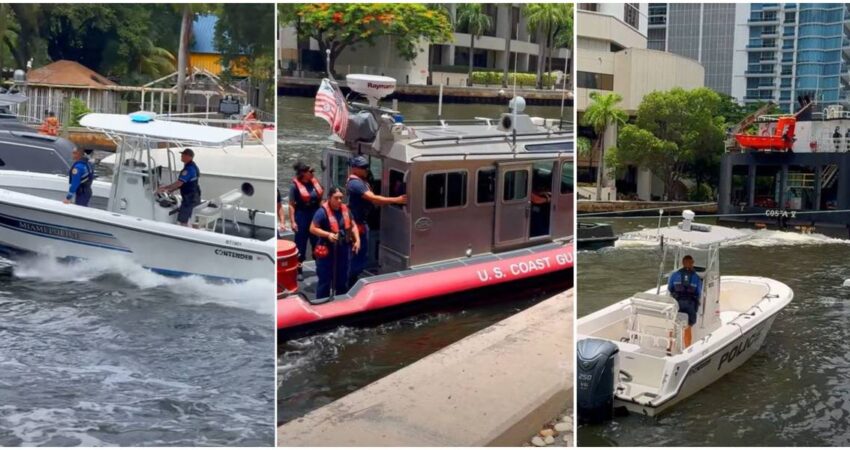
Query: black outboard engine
[598, 370]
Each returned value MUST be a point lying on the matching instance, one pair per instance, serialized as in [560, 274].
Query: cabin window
[338, 170]
[485, 191]
[397, 185]
[566, 178]
[2, 163]
[516, 185]
[445, 190]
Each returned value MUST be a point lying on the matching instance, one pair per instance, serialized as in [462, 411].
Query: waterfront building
[761, 52]
[612, 55]
[445, 63]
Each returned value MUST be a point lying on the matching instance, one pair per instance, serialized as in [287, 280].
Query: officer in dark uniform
[80, 178]
[685, 286]
[361, 199]
[190, 190]
[305, 197]
[337, 237]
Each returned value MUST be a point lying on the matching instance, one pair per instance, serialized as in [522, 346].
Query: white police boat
[632, 354]
[128, 217]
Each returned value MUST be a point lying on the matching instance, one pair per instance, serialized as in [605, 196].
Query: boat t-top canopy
[698, 235]
[145, 125]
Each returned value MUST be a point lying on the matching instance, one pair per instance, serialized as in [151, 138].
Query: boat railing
[506, 135]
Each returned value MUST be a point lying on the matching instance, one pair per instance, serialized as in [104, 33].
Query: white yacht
[632, 354]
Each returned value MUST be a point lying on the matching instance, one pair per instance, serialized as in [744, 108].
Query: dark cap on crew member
[189, 152]
[360, 162]
[300, 168]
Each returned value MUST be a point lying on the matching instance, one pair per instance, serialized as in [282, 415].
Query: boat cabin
[29, 151]
[474, 188]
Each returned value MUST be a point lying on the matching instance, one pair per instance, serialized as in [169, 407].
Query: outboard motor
[598, 370]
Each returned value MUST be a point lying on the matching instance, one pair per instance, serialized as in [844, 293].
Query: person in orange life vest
[253, 125]
[361, 199]
[50, 126]
[338, 237]
[305, 197]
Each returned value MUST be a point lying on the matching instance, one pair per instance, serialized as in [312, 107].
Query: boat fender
[597, 372]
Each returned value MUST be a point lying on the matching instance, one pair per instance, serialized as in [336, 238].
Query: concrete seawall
[307, 87]
[495, 387]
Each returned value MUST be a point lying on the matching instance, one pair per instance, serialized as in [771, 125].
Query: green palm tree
[152, 61]
[545, 20]
[476, 21]
[601, 113]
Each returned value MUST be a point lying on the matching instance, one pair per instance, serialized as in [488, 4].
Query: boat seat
[655, 324]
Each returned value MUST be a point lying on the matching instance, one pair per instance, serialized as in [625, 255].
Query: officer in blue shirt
[190, 190]
[361, 199]
[685, 286]
[80, 178]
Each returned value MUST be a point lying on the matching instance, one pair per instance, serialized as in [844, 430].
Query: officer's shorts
[186, 208]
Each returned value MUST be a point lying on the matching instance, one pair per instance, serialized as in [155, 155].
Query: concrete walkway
[495, 387]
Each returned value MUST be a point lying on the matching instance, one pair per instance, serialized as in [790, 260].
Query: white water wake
[256, 295]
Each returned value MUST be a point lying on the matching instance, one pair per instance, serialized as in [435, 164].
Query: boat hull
[37, 225]
[390, 290]
[708, 370]
[749, 306]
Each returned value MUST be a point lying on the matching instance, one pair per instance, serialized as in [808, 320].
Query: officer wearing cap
[361, 199]
[305, 198]
[190, 190]
[80, 178]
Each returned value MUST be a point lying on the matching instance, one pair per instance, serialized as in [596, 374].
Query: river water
[794, 391]
[107, 353]
[316, 370]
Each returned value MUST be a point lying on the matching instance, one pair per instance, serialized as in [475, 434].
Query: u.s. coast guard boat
[490, 201]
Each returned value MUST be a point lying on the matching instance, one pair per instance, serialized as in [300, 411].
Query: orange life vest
[50, 127]
[346, 217]
[305, 194]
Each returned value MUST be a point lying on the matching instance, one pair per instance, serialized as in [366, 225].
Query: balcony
[657, 21]
[763, 45]
[763, 19]
[754, 94]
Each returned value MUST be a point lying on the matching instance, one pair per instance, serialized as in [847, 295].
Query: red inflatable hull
[293, 311]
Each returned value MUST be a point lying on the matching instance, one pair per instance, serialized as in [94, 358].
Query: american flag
[330, 105]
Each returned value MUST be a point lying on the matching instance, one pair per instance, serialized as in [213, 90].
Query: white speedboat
[230, 167]
[127, 216]
[632, 354]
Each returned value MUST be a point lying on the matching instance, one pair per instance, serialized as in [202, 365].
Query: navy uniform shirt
[189, 176]
[81, 172]
[358, 205]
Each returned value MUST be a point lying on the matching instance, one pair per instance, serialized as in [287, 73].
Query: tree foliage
[337, 26]
[471, 16]
[549, 20]
[676, 133]
[603, 111]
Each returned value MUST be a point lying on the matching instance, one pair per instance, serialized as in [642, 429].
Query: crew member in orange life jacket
[338, 237]
[305, 197]
[361, 199]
